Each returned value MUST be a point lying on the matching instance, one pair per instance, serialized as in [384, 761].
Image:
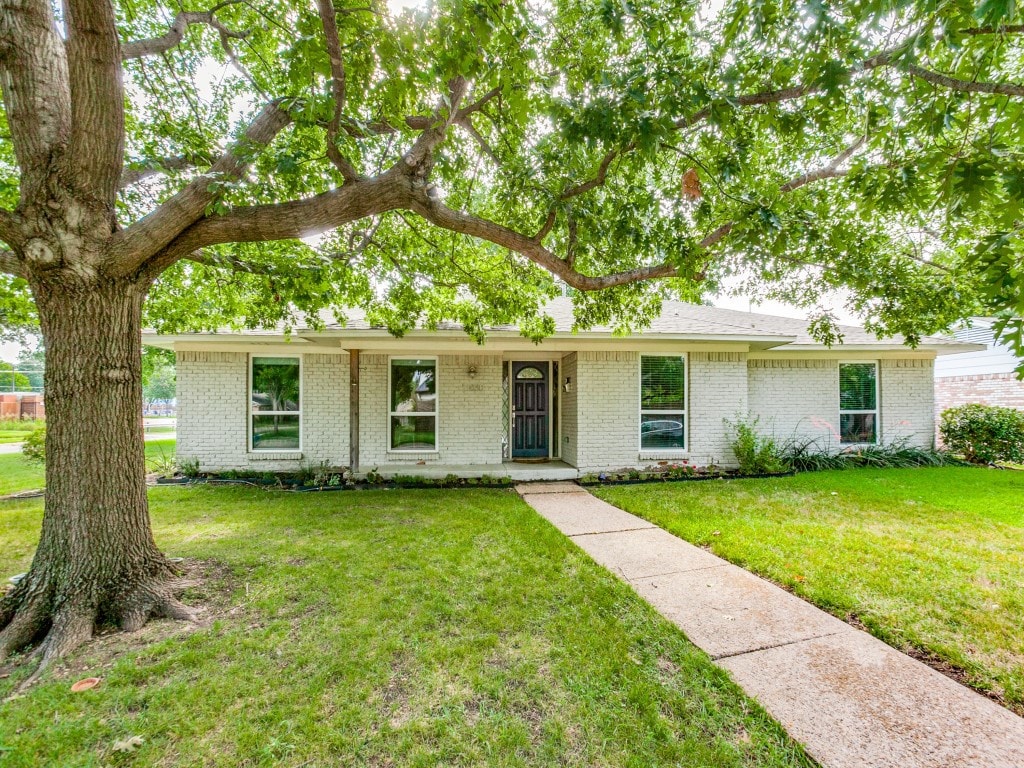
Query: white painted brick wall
[908, 401]
[718, 391]
[570, 406]
[607, 387]
[800, 399]
[796, 399]
[213, 413]
[469, 412]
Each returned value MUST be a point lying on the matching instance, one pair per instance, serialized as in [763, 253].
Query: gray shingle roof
[681, 319]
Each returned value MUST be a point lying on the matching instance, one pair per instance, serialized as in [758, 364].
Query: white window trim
[659, 411]
[436, 413]
[877, 411]
[253, 412]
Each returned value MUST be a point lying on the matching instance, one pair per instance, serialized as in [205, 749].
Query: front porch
[517, 471]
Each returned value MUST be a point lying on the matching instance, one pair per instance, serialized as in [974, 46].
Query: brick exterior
[800, 399]
[908, 401]
[607, 390]
[1003, 389]
[213, 412]
[470, 425]
[718, 392]
[795, 399]
[600, 417]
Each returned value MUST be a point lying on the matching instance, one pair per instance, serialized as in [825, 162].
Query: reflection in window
[413, 405]
[662, 402]
[858, 402]
[275, 407]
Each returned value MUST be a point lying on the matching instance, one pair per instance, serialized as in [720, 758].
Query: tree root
[72, 623]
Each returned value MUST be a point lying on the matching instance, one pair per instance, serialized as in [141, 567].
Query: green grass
[928, 559]
[16, 430]
[397, 628]
[18, 474]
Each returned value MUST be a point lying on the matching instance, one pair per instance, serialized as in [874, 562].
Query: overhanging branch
[130, 248]
[329, 20]
[174, 34]
[130, 176]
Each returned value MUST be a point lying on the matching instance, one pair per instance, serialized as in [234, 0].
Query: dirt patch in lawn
[211, 586]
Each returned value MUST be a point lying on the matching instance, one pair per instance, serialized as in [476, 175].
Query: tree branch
[97, 99]
[830, 170]
[440, 215]
[329, 20]
[36, 93]
[966, 86]
[130, 176]
[290, 220]
[130, 248]
[11, 264]
[10, 232]
[174, 34]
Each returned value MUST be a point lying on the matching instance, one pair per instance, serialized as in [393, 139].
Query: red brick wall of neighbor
[1003, 389]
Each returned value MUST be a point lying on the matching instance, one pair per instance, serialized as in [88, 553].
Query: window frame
[876, 411]
[253, 412]
[661, 411]
[436, 412]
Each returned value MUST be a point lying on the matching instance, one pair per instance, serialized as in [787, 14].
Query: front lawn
[388, 628]
[18, 474]
[930, 560]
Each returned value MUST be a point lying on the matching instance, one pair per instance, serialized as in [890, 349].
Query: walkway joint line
[850, 699]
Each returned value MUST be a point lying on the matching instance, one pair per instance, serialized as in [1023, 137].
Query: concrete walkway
[850, 699]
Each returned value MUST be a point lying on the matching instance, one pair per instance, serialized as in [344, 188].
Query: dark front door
[529, 410]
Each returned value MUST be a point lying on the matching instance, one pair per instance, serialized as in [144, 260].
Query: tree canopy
[874, 147]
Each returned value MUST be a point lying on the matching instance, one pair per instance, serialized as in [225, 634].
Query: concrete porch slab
[580, 513]
[855, 702]
[645, 553]
[547, 471]
[727, 611]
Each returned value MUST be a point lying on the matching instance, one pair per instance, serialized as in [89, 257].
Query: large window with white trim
[858, 402]
[663, 402]
[275, 398]
[412, 399]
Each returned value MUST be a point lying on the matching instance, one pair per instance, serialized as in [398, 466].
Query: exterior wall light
[568, 384]
[471, 372]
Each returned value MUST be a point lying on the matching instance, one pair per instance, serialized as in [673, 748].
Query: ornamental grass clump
[984, 434]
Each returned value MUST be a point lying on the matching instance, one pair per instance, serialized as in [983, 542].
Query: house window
[413, 405]
[858, 402]
[663, 403]
[276, 414]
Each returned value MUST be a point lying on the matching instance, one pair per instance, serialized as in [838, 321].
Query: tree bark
[97, 562]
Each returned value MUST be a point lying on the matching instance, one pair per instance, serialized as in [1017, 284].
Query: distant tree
[13, 382]
[159, 384]
[32, 362]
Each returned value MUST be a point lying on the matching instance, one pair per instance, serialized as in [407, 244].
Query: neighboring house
[434, 402]
[985, 376]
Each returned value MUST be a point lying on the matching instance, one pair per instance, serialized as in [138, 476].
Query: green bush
[34, 446]
[984, 434]
[757, 455]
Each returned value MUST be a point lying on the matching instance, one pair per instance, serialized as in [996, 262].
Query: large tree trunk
[97, 562]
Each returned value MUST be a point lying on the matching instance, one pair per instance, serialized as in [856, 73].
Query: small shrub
[34, 446]
[757, 455]
[984, 434]
[189, 467]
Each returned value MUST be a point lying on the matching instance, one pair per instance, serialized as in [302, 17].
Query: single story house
[435, 402]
